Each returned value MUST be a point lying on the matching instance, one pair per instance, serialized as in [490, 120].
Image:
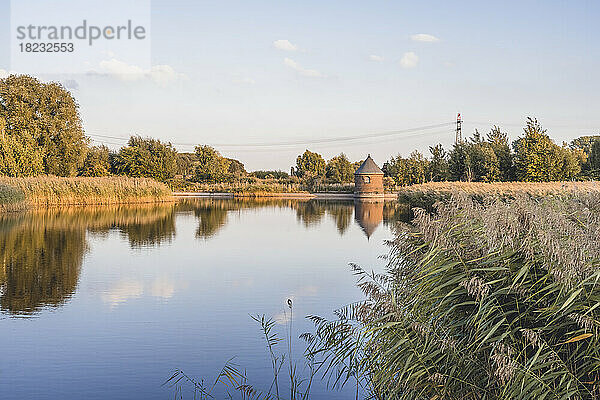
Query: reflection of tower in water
[368, 215]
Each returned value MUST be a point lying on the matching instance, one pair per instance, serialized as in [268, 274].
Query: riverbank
[20, 193]
[426, 194]
[280, 195]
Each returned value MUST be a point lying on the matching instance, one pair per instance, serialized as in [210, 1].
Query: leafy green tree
[407, 171]
[537, 157]
[236, 167]
[44, 114]
[460, 163]
[185, 163]
[145, 157]
[211, 167]
[571, 162]
[474, 160]
[594, 156]
[312, 163]
[584, 143]
[270, 174]
[19, 156]
[340, 169]
[498, 140]
[97, 162]
[486, 167]
[438, 166]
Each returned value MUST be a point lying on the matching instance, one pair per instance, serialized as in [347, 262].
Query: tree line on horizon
[41, 133]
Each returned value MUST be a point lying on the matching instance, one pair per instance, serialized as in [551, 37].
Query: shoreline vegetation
[21, 193]
[490, 299]
[425, 195]
[17, 194]
[42, 136]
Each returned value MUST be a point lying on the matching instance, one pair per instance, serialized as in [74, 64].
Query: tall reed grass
[11, 199]
[426, 194]
[50, 190]
[490, 299]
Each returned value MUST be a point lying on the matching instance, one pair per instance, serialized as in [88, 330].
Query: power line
[303, 141]
[522, 125]
[326, 145]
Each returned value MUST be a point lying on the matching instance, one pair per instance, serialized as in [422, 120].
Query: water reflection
[42, 251]
[212, 213]
[368, 215]
[40, 266]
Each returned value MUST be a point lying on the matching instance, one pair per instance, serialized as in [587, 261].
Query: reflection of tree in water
[40, 266]
[42, 250]
[310, 213]
[142, 224]
[341, 213]
[151, 233]
[210, 221]
[212, 212]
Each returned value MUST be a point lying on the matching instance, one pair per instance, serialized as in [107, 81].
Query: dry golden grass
[51, 190]
[428, 193]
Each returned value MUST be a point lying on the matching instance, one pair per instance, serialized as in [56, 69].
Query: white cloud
[285, 45]
[3, 73]
[424, 37]
[163, 288]
[376, 58]
[123, 291]
[159, 74]
[311, 73]
[409, 60]
[164, 74]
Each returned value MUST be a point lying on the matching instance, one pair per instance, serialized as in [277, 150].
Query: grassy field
[426, 194]
[18, 193]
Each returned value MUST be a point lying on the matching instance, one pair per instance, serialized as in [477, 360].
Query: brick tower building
[368, 180]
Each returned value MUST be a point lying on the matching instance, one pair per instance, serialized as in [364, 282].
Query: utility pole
[458, 138]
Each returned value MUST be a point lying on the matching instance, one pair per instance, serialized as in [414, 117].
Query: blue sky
[246, 72]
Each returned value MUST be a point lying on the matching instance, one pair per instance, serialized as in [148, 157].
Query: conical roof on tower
[368, 167]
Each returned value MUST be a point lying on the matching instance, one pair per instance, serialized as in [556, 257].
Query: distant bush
[97, 162]
[147, 158]
[270, 174]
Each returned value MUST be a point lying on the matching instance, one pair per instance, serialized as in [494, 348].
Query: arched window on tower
[366, 179]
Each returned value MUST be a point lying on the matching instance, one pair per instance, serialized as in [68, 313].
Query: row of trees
[533, 157]
[41, 133]
[337, 170]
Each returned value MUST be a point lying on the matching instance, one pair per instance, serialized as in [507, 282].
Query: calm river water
[105, 302]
